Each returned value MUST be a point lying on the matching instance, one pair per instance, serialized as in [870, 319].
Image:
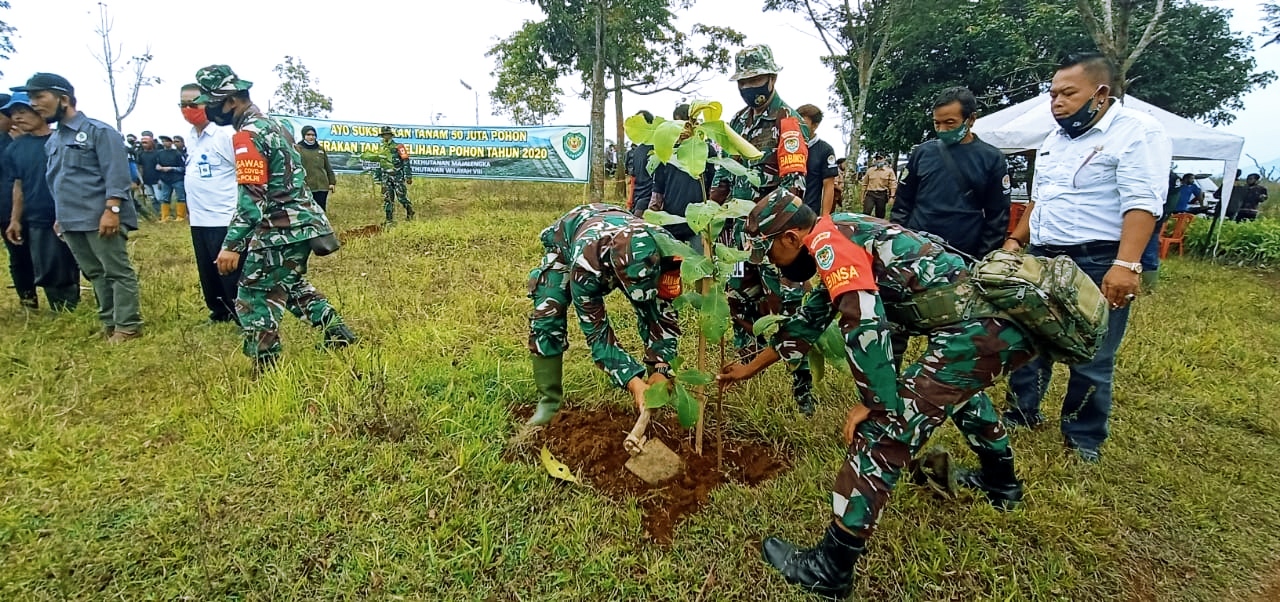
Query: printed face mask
[755, 97]
[1078, 123]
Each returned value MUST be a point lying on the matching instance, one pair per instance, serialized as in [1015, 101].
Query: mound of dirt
[590, 444]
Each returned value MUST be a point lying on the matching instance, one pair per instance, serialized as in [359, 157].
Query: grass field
[160, 470]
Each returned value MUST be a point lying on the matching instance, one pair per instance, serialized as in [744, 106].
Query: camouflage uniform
[591, 251]
[961, 360]
[274, 221]
[756, 291]
[395, 180]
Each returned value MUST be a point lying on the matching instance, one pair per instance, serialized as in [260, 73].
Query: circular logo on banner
[792, 144]
[81, 137]
[825, 257]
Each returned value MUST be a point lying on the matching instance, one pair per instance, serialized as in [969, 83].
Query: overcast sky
[400, 61]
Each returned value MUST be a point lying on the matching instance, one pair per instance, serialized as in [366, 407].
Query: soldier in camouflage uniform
[875, 273]
[591, 251]
[757, 291]
[275, 221]
[395, 182]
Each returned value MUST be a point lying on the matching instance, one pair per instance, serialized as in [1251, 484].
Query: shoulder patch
[831, 160]
[251, 167]
[842, 265]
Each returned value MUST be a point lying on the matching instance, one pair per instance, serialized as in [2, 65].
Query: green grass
[161, 470]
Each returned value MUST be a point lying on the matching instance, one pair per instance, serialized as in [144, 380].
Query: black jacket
[930, 198]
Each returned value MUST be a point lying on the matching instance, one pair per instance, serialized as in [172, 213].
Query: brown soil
[590, 444]
[1270, 586]
[361, 232]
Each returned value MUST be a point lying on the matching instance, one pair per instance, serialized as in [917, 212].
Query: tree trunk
[596, 188]
[619, 173]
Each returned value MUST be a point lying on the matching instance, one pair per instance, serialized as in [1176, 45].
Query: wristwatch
[114, 209]
[1135, 267]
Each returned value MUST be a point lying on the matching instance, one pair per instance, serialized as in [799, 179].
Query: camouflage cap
[386, 129]
[754, 60]
[771, 216]
[217, 82]
[639, 267]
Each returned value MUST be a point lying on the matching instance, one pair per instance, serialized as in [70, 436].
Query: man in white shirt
[1099, 188]
[212, 193]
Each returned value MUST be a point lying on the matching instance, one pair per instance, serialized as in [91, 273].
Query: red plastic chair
[1180, 223]
[1015, 213]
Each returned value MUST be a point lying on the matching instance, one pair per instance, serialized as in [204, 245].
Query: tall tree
[858, 34]
[133, 70]
[642, 53]
[297, 94]
[1271, 22]
[1114, 32]
[6, 36]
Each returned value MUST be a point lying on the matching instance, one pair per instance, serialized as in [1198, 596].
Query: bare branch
[1150, 35]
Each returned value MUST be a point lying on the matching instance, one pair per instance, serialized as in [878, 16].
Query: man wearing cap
[273, 226]
[88, 174]
[879, 185]
[592, 250]
[31, 222]
[871, 272]
[212, 191]
[757, 291]
[20, 266]
[395, 181]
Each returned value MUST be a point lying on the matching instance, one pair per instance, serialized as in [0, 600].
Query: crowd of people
[1098, 191]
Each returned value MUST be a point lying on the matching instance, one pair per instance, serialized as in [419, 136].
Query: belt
[1096, 247]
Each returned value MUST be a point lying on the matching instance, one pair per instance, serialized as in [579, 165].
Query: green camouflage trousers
[960, 361]
[394, 189]
[757, 293]
[272, 281]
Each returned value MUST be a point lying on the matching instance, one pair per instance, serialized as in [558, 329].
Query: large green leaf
[735, 208]
[700, 215]
[736, 169]
[714, 317]
[652, 165]
[694, 378]
[692, 157]
[662, 218]
[665, 136]
[671, 247]
[656, 397]
[730, 255]
[766, 326]
[686, 407]
[639, 130]
[831, 342]
[733, 143]
[695, 268]
[817, 364]
[690, 300]
[708, 110]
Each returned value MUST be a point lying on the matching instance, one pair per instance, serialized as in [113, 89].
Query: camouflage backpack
[1052, 298]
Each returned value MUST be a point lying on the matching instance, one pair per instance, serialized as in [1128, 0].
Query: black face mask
[1079, 122]
[756, 97]
[801, 269]
[218, 116]
[57, 115]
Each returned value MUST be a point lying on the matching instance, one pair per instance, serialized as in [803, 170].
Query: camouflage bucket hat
[752, 61]
[218, 82]
[772, 216]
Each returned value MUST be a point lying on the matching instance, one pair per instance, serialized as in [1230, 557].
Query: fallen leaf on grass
[556, 468]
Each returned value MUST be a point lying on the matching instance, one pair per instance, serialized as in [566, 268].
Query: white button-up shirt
[211, 177]
[1084, 186]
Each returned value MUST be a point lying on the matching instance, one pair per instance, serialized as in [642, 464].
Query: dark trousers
[321, 197]
[874, 202]
[1087, 405]
[20, 268]
[56, 270]
[219, 291]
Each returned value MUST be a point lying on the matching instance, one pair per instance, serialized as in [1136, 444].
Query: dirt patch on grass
[361, 232]
[590, 444]
[1270, 591]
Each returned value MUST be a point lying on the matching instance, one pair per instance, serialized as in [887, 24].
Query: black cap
[47, 81]
[4, 99]
[307, 128]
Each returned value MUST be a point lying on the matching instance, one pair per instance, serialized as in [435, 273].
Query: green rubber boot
[548, 375]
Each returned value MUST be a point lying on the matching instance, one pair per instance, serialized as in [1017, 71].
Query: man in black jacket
[674, 190]
[957, 186]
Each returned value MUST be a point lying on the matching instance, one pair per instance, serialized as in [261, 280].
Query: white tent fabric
[1025, 126]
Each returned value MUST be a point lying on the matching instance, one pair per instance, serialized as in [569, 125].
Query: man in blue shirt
[31, 221]
[1189, 191]
[20, 268]
[88, 173]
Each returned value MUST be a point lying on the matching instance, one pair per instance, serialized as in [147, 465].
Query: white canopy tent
[1025, 126]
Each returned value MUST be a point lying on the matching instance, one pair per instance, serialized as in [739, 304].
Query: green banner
[536, 153]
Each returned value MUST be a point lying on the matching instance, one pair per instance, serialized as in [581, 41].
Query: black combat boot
[29, 299]
[409, 213]
[802, 386]
[996, 479]
[338, 336]
[264, 364]
[826, 569]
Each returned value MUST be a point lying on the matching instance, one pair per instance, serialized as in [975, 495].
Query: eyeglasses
[188, 105]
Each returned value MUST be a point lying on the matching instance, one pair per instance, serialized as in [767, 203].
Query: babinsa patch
[825, 257]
